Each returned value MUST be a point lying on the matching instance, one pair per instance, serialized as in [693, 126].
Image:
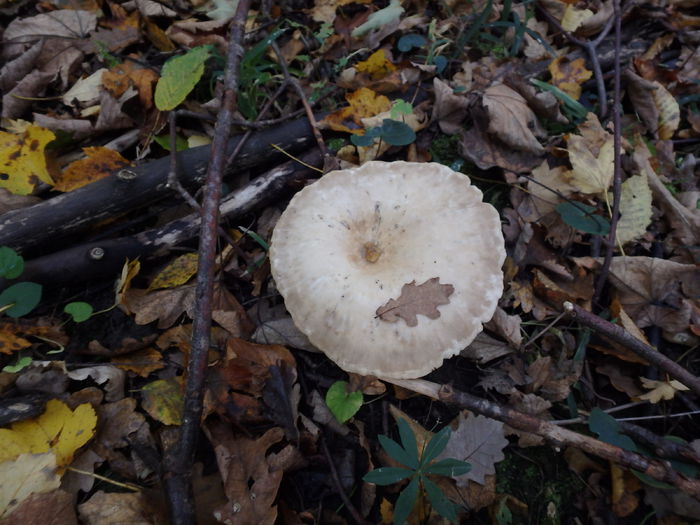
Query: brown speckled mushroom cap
[347, 244]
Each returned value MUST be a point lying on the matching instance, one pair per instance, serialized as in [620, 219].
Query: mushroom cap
[347, 244]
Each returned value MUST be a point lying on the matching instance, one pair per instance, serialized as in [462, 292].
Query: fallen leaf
[162, 399]
[568, 75]
[591, 157]
[511, 119]
[635, 209]
[250, 482]
[119, 508]
[363, 103]
[659, 390]
[59, 429]
[27, 474]
[377, 65]
[422, 299]
[479, 441]
[23, 161]
[177, 272]
[58, 504]
[100, 163]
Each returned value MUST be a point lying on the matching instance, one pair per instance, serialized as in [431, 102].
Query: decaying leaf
[479, 441]
[591, 157]
[100, 163]
[177, 272]
[416, 299]
[23, 161]
[635, 209]
[568, 75]
[511, 119]
[27, 474]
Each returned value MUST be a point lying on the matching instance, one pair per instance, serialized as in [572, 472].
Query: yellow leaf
[635, 209]
[568, 75]
[669, 111]
[661, 389]
[129, 271]
[377, 65]
[58, 429]
[162, 399]
[574, 17]
[363, 103]
[22, 159]
[100, 163]
[176, 273]
[591, 157]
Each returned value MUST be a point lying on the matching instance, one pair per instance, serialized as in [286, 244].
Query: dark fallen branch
[105, 258]
[554, 434]
[622, 336]
[130, 189]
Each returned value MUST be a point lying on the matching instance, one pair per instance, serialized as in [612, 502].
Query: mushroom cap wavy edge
[347, 244]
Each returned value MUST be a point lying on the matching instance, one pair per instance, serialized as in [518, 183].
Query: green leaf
[436, 445]
[397, 133]
[439, 501]
[408, 42]
[79, 311]
[343, 404]
[449, 467]
[608, 430]
[387, 475]
[645, 478]
[11, 263]
[179, 77]
[400, 107]
[368, 138]
[408, 440]
[22, 296]
[405, 502]
[398, 453]
[164, 142]
[503, 514]
[580, 216]
[21, 364]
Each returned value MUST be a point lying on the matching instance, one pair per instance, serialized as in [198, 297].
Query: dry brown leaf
[421, 299]
[591, 157]
[250, 481]
[511, 119]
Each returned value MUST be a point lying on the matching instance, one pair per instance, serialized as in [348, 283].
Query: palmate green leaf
[436, 445]
[449, 467]
[608, 430]
[22, 296]
[387, 475]
[398, 453]
[439, 501]
[408, 440]
[581, 217]
[405, 502]
[11, 263]
[179, 77]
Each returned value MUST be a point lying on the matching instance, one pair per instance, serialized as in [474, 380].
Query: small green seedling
[343, 404]
[417, 470]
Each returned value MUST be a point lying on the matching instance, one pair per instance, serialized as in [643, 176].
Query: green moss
[540, 478]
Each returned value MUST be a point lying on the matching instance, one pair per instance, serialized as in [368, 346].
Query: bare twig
[339, 486]
[556, 435]
[617, 170]
[177, 479]
[622, 336]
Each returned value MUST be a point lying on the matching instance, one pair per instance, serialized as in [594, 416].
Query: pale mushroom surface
[347, 244]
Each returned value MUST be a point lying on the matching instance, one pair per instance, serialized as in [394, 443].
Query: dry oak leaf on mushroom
[359, 237]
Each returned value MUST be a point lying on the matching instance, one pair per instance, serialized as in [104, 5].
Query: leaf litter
[83, 104]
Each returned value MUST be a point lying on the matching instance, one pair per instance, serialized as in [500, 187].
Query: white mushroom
[415, 233]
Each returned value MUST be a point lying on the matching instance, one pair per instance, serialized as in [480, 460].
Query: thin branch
[558, 436]
[622, 336]
[178, 475]
[617, 172]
